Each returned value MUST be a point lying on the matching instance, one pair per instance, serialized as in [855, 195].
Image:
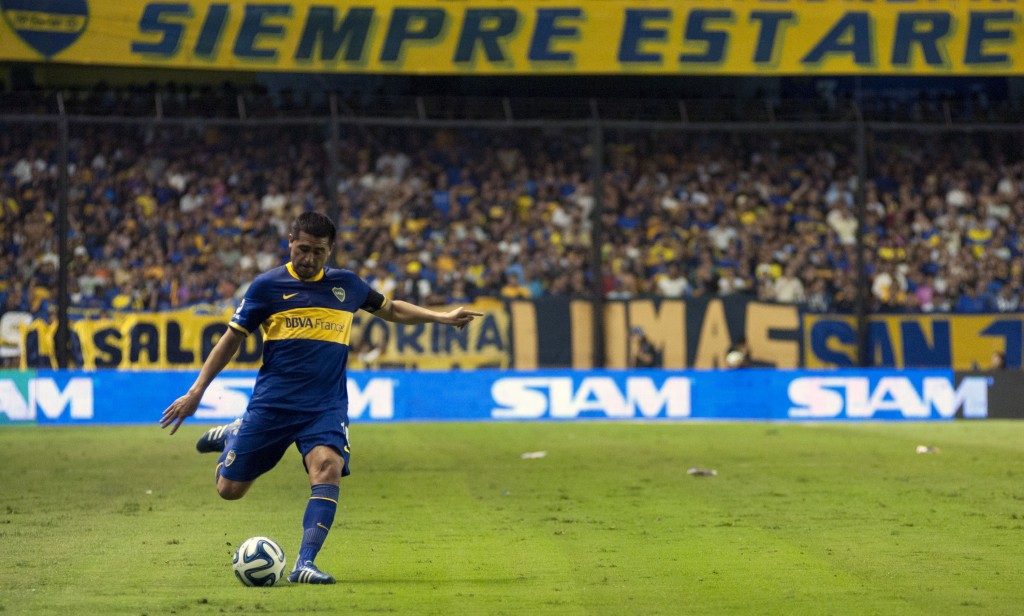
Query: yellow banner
[429, 346]
[138, 341]
[183, 340]
[723, 37]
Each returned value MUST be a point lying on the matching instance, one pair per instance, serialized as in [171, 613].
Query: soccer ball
[735, 359]
[259, 561]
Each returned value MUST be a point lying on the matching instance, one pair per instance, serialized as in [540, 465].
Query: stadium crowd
[170, 216]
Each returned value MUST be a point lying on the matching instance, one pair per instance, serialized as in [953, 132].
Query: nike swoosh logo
[289, 295]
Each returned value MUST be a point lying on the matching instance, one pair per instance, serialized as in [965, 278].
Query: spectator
[730, 281]
[368, 355]
[789, 289]
[1007, 299]
[513, 288]
[672, 283]
[191, 200]
[643, 353]
[13, 315]
[972, 299]
[819, 299]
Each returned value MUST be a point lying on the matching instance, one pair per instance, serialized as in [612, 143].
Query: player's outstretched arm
[187, 405]
[398, 311]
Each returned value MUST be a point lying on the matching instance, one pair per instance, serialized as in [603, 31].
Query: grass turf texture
[449, 519]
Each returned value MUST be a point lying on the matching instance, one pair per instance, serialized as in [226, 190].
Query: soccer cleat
[307, 573]
[215, 438]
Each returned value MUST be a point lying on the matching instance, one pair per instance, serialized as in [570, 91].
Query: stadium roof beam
[686, 125]
[697, 115]
[860, 207]
[63, 335]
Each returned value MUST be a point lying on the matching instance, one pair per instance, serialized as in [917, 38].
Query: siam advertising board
[116, 397]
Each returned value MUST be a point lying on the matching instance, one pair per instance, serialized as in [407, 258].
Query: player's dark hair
[315, 224]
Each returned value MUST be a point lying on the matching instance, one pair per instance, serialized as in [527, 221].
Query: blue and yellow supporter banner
[183, 339]
[114, 397]
[699, 332]
[963, 342]
[558, 332]
[722, 37]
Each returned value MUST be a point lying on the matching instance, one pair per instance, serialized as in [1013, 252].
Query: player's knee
[231, 490]
[326, 470]
[230, 494]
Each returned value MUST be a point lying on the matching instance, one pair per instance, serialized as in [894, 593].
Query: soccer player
[305, 309]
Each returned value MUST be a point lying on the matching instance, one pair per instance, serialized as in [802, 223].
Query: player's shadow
[420, 582]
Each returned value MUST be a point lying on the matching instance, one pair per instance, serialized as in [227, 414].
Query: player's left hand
[461, 317]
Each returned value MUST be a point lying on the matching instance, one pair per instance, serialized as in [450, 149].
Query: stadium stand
[166, 216]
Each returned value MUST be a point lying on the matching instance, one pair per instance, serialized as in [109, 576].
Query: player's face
[308, 253]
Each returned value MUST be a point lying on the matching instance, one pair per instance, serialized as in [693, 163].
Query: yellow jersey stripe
[322, 324]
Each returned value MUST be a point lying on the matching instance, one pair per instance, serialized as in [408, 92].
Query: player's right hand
[179, 410]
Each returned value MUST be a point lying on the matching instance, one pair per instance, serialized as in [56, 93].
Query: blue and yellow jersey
[307, 325]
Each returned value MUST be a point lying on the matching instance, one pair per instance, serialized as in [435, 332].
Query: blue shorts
[265, 435]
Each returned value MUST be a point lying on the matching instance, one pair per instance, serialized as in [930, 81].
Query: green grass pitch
[450, 519]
